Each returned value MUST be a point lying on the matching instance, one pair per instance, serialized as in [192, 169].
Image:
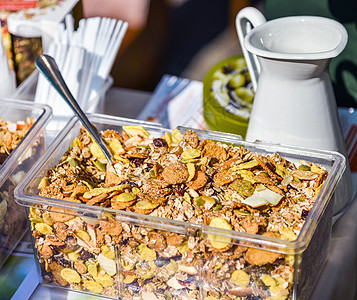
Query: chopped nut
[46, 251]
[224, 177]
[156, 241]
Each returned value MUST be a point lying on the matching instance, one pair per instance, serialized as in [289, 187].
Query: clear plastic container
[135, 271]
[13, 221]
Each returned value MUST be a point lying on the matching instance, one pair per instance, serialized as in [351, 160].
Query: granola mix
[12, 220]
[11, 134]
[178, 177]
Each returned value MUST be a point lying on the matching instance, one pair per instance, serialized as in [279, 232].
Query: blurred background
[188, 37]
[176, 37]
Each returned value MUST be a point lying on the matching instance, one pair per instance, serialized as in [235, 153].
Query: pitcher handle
[246, 19]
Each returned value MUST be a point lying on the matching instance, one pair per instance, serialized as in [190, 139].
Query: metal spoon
[48, 67]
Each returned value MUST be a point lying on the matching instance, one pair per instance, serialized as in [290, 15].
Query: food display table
[338, 279]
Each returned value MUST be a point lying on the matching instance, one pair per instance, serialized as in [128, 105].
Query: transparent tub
[129, 255]
[13, 220]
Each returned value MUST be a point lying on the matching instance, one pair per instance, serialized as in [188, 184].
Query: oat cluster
[177, 177]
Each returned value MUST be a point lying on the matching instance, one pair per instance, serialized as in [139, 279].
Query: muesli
[179, 177]
[11, 224]
[11, 134]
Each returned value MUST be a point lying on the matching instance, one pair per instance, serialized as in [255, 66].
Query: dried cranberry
[159, 142]
[304, 213]
[137, 162]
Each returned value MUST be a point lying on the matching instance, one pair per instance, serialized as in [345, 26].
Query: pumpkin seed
[100, 166]
[243, 187]
[124, 197]
[72, 161]
[246, 165]
[191, 171]
[168, 138]
[304, 168]
[76, 143]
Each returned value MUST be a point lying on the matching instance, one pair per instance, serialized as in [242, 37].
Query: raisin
[304, 213]
[159, 142]
[137, 162]
[124, 241]
[149, 167]
[134, 287]
[64, 262]
[128, 181]
[85, 255]
[160, 262]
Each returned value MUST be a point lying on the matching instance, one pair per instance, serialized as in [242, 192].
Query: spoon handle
[48, 67]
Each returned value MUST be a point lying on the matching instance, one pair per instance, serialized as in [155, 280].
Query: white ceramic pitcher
[288, 60]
